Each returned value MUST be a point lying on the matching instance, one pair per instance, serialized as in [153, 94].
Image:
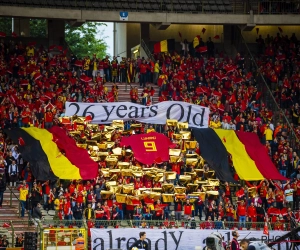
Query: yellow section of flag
[59, 164]
[243, 164]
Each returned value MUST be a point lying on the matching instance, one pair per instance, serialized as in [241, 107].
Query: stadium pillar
[120, 36]
[134, 36]
[229, 39]
[145, 32]
[56, 31]
[21, 27]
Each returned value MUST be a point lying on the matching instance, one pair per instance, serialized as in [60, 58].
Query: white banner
[168, 239]
[104, 113]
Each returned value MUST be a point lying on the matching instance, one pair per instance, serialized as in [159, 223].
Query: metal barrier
[162, 224]
[13, 227]
[53, 233]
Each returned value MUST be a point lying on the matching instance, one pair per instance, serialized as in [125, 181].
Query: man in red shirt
[25, 117]
[242, 213]
[187, 209]
[143, 74]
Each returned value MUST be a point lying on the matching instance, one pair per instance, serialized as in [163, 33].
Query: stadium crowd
[36, 82]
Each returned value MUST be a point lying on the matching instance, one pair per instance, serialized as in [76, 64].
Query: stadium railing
[51, 231]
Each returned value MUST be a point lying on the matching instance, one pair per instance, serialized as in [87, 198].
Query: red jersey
[241, 210]
[148, 147]
[188, 209]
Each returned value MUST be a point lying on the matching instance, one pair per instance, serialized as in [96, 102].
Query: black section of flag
[214, 152]
[33, 153]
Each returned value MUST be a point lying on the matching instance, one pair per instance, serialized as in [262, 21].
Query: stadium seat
[211, 2]
[20, 2]
[110, 5]
[155, 6]
[177, 7]
[228, 8]
[140, 6]
[81, 4]
[226, 2]
[58, 3]
[206, 8]
[96, 5]
[192, 7]
[221, 8]
[214, 8]
[219, 2]
[103, 5]
[133, 6]
[118, 5]
[125, 6]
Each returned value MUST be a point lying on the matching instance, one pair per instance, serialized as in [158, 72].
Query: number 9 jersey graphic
[147, 148]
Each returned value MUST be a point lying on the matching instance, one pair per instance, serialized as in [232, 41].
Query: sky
[108, 34]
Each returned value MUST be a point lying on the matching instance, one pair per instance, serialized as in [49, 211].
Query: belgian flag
[53, 154]
[164, 46]
[250, 160]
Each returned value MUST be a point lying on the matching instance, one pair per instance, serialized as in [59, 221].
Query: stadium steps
[9, 214]
[124, 95]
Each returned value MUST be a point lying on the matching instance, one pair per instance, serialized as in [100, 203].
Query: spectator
[37, 214]
[13, 171]
[23, 197]
[289, 193]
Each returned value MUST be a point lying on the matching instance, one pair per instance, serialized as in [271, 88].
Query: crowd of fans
[36, 82]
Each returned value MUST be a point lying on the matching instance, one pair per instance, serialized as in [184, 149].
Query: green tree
[84, 41]
[5, 25]
[38, 27]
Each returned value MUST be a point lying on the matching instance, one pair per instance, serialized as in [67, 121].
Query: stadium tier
[187, 142]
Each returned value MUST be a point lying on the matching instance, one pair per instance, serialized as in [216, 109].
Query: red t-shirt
[148, 148]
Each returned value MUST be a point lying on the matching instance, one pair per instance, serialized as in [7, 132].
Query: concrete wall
[151, 17]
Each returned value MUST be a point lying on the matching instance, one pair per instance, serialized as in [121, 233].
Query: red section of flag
[14, 34]
[21, 142]
[158, 160]
[78, 63]
[240, 193]
[85, 78]
[224, 139]
[216, 37]
[203, 49]
[77, 156]
[88, 118]
[266, 229]
[52, 47]
[2, 34]
[163, 68]
[31, 44]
